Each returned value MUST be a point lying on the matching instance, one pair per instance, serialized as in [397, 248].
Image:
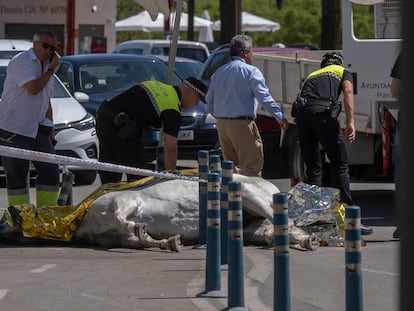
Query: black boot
[396, 233]
[365, 230]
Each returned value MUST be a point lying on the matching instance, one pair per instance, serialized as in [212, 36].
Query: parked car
[97, 77]
[10, 47]
[185, 67]
[188, 49]
[75, 128]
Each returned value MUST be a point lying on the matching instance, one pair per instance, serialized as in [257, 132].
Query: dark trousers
[320, 128]
[116, 150]
[16, 170]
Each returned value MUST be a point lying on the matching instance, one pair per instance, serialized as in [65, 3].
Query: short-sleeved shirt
[326, 84]
[21, 112]
[136, 103]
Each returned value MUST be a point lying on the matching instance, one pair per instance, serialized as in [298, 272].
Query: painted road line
[43, 268]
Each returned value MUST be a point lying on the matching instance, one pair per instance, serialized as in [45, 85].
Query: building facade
[94, 22]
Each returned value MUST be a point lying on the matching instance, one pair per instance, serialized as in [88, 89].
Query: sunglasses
[46, 46]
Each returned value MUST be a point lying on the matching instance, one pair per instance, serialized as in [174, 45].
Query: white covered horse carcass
[164, 213]
[171, 207]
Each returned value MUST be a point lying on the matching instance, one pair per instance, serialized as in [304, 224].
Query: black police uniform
[318, 124]
[120, 126]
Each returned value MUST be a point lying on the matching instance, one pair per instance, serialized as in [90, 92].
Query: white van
[188, 49]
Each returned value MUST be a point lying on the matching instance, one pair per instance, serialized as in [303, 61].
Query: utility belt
[331, 107]
[126, 127]
[318, 103]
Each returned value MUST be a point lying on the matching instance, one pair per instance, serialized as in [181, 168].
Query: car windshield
[118, 77]
[8, 54]
[188, 69]
[59, 91]
[186, 52]
[131, 51]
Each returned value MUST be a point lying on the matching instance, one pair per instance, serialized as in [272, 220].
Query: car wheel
[84, 177]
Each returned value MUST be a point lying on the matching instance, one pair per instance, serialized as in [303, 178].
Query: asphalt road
[75, 277]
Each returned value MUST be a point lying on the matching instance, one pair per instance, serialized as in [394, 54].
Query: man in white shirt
[26, 119]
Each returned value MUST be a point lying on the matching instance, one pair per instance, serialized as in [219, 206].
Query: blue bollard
[235, 282]
[281, 276]
[354, 301]
[215, 164]
[203, 169]
[213, 274]
[227, 176]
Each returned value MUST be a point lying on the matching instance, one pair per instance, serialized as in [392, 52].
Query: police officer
[318, 124]
[122, 121]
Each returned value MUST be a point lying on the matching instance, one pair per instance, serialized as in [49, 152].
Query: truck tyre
[296, 166]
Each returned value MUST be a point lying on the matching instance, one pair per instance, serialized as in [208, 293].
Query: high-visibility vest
[163, 96]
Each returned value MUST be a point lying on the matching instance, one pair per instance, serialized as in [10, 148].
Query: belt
[239, 118]
[318, 102]
[45, 130]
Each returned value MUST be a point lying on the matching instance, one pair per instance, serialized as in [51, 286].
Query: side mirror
[81, 97]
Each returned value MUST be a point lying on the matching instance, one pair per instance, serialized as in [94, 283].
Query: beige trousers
[241, 143]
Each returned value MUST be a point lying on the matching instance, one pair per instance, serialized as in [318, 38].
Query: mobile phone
[51, 56]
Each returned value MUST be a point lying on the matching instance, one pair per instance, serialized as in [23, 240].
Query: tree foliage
[300, 20]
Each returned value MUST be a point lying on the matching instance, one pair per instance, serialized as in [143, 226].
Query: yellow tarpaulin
[61, 222]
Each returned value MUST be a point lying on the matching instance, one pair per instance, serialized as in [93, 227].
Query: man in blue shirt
[235, 92]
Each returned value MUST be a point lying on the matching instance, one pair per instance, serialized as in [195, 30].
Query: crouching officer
[317, 121]
[122, 122]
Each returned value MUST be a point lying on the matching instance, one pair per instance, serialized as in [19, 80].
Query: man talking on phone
[26, 119]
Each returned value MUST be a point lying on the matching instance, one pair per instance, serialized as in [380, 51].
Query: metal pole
[213, 274]
[25, 154]
[203, 170]
[353, 259]
[159, 161]
[65, 194]
[215, 164]
[281, 253]
[70, 27]
[238, 17]
[173, 48]
[227, 172]
[235, 282]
